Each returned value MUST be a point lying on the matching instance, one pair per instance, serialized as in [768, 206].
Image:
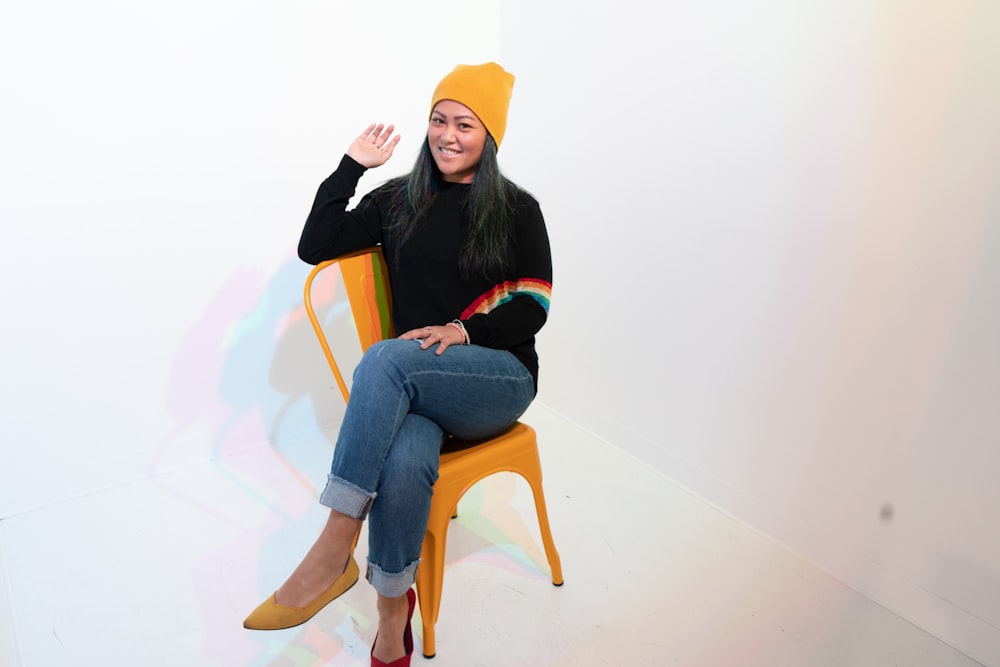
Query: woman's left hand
[443, 336]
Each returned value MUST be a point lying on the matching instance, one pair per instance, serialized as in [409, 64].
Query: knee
[391, 351]
[381, 356]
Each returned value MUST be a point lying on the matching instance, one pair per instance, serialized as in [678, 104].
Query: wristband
[461, 327]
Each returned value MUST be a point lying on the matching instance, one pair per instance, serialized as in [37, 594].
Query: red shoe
[411, 599]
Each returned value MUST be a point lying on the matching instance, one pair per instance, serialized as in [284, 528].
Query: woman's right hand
[374, 147]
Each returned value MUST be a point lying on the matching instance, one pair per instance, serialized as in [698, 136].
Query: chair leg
[425, 591]
[430, 576]
[530, 469]
[429, 650]
[555, 564]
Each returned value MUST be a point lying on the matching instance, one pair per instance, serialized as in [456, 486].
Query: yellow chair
[463, 463]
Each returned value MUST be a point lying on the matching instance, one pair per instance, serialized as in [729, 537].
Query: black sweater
[427, 287]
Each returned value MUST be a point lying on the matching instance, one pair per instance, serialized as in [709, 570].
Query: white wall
[157, 164]
[776, 229]
[774, 225]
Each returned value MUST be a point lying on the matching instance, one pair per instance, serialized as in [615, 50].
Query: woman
[470, 273]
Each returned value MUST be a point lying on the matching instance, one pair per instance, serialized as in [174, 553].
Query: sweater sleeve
[512, 312]
[331, 230]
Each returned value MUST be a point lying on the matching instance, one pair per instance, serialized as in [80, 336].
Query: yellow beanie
[485, 89]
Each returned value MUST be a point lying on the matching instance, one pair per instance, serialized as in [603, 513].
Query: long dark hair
[488, 209]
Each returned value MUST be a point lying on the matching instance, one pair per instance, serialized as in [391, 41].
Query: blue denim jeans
[404, 402]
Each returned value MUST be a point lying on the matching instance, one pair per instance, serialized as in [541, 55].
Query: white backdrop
[775, 228]
[777, 247]
[158, 162]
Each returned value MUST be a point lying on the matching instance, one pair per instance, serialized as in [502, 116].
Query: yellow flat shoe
[273, 616]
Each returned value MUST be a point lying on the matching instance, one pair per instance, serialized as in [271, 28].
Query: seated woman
[470, 273]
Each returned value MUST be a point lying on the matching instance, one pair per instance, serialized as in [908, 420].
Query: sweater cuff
[477, 328]
[350, 166]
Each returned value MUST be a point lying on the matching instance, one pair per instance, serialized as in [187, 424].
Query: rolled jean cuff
[392, 584]
[346, 498]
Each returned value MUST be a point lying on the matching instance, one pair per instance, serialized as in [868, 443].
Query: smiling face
[456, 138]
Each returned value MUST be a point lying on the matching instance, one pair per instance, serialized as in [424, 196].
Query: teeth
[449, 151]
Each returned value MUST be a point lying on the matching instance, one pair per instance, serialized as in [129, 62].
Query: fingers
[443, 336]
[414, 334]
[388, 146]
[374, 146]
[380, 136]
[429, 337]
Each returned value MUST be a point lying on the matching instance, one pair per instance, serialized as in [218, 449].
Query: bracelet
[461, 327]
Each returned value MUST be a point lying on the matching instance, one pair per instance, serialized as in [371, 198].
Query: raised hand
[374, 146]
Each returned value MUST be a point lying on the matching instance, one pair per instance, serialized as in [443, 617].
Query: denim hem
[346, 498]
[391, 585]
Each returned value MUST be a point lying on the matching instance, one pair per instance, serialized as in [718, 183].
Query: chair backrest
[366, 281]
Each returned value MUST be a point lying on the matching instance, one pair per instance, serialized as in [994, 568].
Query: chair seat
[464, 458]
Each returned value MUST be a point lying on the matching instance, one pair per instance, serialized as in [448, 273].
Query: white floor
[162, 572]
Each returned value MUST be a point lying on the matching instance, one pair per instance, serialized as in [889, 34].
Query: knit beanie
[485, 89]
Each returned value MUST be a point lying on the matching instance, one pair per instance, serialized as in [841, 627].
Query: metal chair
[463, 463]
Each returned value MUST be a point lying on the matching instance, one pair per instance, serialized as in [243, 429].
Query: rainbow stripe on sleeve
[539, 290]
